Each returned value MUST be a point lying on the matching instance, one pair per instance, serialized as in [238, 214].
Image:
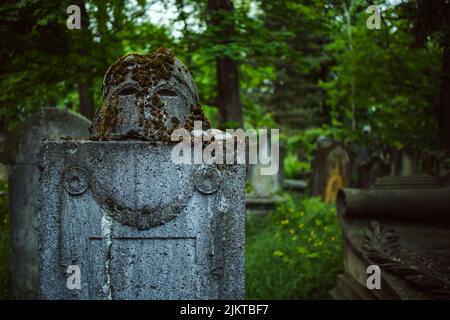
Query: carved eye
[167, 93]
[126, 91]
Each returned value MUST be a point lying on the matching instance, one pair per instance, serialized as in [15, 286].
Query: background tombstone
[437, 164]
[332, 170]
[375, 167]
[264, 188]
[21, 155]
[136, 223]
[406, 162]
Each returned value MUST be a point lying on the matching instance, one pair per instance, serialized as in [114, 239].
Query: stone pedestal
[137, 225]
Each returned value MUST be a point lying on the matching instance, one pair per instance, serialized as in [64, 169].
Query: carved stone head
[147, 97]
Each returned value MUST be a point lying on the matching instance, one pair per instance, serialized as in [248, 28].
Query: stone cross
[21, 156]
[130, 222]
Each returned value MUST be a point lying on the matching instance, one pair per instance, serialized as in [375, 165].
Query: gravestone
[264, 189]
[406, 162]
[332, 168]
[134, 223]
[437, 164]
[372, 169]
[265, 186]
[401, 224]
[21, 156]
[363, 153]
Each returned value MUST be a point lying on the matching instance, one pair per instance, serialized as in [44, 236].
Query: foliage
[294, 168]
[46, 61]
[295, 253]
[393, 84]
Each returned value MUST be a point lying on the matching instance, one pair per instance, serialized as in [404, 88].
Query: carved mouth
[143, 218]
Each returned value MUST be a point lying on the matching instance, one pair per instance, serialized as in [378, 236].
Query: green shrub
[293, 168]
[293, 253]
[5, 271]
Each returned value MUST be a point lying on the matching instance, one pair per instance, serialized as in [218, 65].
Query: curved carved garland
[382, 247]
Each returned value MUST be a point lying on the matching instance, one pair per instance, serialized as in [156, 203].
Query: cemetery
[185, 159]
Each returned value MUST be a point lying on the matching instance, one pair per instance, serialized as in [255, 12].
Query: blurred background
[311, 68]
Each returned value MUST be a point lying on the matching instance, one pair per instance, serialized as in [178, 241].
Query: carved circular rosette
[76, 180]
[207, 179]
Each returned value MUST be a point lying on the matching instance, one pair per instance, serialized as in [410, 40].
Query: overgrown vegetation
[293, 253]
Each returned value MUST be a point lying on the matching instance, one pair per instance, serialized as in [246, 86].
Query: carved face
[147, 97]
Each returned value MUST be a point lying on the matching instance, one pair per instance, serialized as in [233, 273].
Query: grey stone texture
[146, 97]
[21, 156]
[266, 186]
[138, 225]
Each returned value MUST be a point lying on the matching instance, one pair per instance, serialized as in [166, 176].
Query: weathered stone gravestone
[406, 162]
[437, 164]
[332, 168]
[266, 186]
[263, 196]
[21, 156]
[401, 224]
[135, 224]
[372, 169]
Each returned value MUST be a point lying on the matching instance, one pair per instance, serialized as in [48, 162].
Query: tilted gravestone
[21, 155]
[331, 170]
[135, 224]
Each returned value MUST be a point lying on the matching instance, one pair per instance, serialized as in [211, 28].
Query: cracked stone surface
[138, 225]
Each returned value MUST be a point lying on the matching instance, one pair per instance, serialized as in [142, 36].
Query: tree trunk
[228, 91]
[85, 92]
[227, 69]
[347, 14]
[444, 112]
[86, 98]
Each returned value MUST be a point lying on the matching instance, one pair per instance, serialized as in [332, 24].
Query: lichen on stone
[137, 75]
[148, 69]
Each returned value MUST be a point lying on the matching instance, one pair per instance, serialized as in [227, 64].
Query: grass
[293, 253]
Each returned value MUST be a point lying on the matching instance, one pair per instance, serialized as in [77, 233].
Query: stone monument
[21, 157]
[401, 225]
[116, 208]
[370, 170]
[264, 189]
[331, 170]
[406, 162]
